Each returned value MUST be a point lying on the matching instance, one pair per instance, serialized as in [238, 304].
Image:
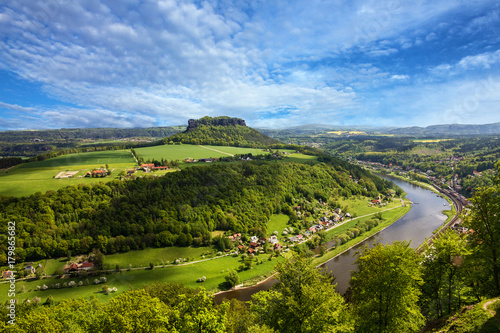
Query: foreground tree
[484, 220]
[385, 289]
[303, 301]
[443, 274]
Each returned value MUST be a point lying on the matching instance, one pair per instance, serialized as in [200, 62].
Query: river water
[424, 217]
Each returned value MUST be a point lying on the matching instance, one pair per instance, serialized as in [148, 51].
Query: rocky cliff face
[222, 121]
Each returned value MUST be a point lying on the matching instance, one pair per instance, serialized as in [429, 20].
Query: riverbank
[387, 222]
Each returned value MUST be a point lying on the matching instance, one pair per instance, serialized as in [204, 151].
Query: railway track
[458, 208]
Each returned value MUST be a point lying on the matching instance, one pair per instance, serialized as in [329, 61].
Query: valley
[184, 211]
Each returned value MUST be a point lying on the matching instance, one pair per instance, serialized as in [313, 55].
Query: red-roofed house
[72, 268]
[160, 168]
[7, 274]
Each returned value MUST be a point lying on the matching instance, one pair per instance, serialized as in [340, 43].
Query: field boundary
[218, 151]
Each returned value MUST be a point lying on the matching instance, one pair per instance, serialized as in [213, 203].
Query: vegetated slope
[448, 129]
[71, 134]
[221, 131]
[178, 209]
[483, 317]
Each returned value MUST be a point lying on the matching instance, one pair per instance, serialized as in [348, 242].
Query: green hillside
[181, 208]
[221, 131]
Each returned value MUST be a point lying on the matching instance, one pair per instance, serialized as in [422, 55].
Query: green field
[181, 152]
[361, 205]
[214, 270]
[29, 178]
[142, 258]
[277, 222]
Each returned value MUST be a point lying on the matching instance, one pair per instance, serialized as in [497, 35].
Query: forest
[181, 208]
[395, 289]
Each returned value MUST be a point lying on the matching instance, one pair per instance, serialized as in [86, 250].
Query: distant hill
[221, 131]
[449, 129]
[74, 134]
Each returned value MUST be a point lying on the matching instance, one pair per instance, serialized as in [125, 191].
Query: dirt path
[215, 150]
[485, 307]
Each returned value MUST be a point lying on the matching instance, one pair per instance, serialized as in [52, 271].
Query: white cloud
[162, 62]
[484, 60]
[399, 77]
[16, 107]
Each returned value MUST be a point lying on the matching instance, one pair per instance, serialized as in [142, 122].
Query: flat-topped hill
[217, 121]
[221, 131]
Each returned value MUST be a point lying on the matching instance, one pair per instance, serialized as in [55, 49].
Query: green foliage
[210, 132]
[484, 219]
[385, 289]
[443, 274]
[471, 319]
[175, 209]
[304, 300]
[232, 278]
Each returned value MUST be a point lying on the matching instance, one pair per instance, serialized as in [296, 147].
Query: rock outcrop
[218, 121]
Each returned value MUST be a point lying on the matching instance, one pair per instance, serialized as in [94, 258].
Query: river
[424, 217]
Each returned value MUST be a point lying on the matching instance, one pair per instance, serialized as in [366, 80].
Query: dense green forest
[181, 208]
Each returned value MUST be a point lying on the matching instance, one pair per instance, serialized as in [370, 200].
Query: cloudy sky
[139, 63]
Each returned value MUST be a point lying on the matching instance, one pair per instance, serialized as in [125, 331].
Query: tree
[385, 289]
[39, 271]
[304, 300]
[232, 278]
[97, 258]
[484, 220]
[442, 273]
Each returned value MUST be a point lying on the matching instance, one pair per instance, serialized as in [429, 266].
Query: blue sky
[146, 63]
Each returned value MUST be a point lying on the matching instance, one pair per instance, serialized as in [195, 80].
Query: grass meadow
[181, 152]
[214, 270]
[29, 178]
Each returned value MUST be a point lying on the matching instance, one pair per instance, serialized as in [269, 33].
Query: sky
[141, 63]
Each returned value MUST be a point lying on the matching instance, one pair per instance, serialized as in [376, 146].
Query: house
[240, 247]
[254, 244]
[251, 251]
[278, 247]
[72, 268]
[254, 239]
[86, 265]
[273, 239]
[160, 168]
[7, 275]
[99, 173]
[147, 165]
[30, 268]
[234, 237]
[130, 172]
